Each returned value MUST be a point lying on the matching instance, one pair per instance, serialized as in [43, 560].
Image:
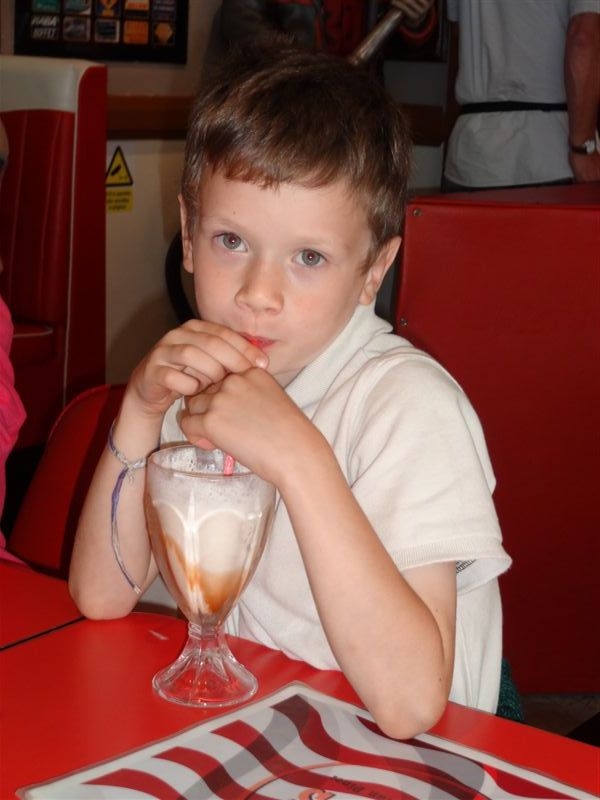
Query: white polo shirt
[412, 450]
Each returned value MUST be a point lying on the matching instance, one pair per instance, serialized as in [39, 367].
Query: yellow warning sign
[118, 173]
[119, 184]
[119, 200]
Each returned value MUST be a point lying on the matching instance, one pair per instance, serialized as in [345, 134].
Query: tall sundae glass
[208, 520]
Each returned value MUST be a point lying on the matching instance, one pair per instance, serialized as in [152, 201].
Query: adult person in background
[521, 65]
[335, 26]
[12, 413]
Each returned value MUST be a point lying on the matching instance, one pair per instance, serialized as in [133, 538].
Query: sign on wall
[103, 30]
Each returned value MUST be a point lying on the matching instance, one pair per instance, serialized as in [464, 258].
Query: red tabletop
[83, 694]
[31, 603]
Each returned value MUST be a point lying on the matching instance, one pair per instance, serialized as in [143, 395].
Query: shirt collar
[311, 383]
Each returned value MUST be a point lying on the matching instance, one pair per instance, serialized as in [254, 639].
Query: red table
[32, 603]
[82, 694]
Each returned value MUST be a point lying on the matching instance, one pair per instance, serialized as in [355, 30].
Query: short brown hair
[273, 115]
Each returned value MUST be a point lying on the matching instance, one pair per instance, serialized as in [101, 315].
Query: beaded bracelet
[129, 468]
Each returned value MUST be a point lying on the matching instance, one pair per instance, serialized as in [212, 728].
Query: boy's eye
[310, 258]
[230, 240]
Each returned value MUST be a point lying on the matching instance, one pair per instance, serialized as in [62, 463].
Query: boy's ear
[378, 269]
[186, 241]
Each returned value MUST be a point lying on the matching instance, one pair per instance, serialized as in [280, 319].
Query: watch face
[587, 148]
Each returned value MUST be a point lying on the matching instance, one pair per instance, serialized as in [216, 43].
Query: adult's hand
[415, 11]
[586, 169]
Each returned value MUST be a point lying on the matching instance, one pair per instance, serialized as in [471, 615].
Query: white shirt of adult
[511, 50]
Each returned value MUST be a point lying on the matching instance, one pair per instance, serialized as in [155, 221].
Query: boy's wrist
[310, 460]
[136, 432]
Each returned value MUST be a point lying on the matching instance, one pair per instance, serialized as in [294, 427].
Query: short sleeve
[420, 470]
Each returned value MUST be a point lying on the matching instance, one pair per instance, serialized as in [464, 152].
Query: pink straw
[228, 464]
[229, 461]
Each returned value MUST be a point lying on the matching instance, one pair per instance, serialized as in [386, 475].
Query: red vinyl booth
[52, 230]
[502, 287]
[45, 526]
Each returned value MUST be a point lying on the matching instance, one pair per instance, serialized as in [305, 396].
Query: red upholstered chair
[502, 288]
[52, 230]
[47, 520]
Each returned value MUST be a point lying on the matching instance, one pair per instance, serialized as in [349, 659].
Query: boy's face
[281, 265]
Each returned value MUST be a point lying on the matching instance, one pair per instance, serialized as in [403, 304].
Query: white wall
[422, 83]
[138, 310]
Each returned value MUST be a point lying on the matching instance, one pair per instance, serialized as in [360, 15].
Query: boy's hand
[187, 360]
[249, 416]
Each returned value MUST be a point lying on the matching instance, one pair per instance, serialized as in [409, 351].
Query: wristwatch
[588, 148]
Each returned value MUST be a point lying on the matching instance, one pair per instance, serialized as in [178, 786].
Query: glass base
[206, 673]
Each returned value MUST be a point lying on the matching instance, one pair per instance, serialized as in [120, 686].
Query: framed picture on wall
[103, 30]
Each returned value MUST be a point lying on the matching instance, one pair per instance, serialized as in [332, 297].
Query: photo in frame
[103, 30]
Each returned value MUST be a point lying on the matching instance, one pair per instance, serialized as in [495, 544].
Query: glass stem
[210, 637]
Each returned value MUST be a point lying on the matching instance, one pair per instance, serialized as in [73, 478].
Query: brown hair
[278, 114]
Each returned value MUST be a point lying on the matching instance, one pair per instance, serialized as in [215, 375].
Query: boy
[385, 549]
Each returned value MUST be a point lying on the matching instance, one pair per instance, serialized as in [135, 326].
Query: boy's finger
[203, 443]
[226, 345]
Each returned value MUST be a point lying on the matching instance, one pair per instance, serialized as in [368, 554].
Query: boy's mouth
[257, 341]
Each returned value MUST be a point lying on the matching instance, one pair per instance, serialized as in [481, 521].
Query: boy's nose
[261, 289]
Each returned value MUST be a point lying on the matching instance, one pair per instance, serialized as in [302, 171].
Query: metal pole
[377, 36]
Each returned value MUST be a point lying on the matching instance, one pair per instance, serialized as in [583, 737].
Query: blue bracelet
[129, 468]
